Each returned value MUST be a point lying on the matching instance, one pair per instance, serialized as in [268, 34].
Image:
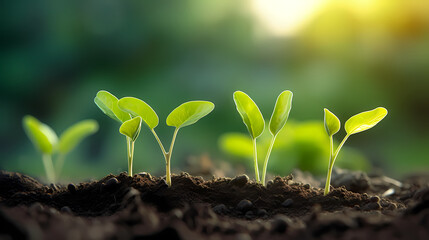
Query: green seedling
[254, 121]
[277, 122]
[355, 124]
[46, 141]
[184, 115]
[130, 127]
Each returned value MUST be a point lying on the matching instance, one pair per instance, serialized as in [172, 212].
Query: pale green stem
[160, 143]
[49, 167]
[60, 163]
[168, 158]
[270, 148]
[332, 158]
[130, 153]
[255, 157]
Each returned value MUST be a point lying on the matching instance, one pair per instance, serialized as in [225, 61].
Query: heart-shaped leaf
[131, 128]
[71, 137]
[41, 135]
[189, 113]
[365, 120]
[137, 107]
[250, 114]
[108, 103]
[332, 123]
[281, 112]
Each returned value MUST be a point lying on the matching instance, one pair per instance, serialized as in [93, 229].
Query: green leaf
[41, 135]
[71, 137]
[108, 103]
[365, 120]
[131, 128]
[189, 113]
[332, 123]
[281, 112]
[250, 114]
[137, 107]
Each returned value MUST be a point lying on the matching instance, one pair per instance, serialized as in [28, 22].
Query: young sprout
[277, 122]
[108, 103]
[184, 115]
[46, 141]
[254, 121]
[356, 124]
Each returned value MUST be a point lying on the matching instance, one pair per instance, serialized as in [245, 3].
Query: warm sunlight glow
[285, 17]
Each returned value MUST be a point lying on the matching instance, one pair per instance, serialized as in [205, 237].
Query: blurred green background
[349, 56]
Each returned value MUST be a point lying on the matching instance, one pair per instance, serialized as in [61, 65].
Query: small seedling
[184, 115]
[355, 124]
[254, 121]
[46, 141]
[130, 127]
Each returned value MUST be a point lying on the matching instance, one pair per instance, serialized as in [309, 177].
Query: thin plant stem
[60, 164]
[255, 157]
[168, 158]
[49, 167]
[159, 142]
[270, 148]
[332, 158]
[130, 153]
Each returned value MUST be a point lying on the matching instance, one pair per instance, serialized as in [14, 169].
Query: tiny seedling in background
[108, 103]
[46, 141]
[357, 123]
[254, 121]
[184, 115]
[277, 122]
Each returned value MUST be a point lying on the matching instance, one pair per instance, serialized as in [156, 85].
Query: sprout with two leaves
[46, 141]
[184, 115]
[130, 127]
[254, 121]
[355, 124]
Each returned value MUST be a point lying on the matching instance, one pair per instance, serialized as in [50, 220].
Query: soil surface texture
[144, 207]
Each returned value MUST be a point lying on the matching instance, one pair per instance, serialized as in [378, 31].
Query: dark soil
[143, 207]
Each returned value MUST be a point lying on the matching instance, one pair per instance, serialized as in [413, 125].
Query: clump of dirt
[143, 206]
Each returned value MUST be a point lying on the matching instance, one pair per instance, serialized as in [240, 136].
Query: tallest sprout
[356, 124]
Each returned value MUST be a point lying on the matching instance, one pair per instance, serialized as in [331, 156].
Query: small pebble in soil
[111, 183]
[249, 215]
[220, 209]
[270, 183]
[72, 188]
[244, 205]
[375, 199]
[306, 186]
[240, 181]
[261, 212]
[287, 203]
[371, 206]
[145, 175]
[280, 223]
[66, 209]
[54, 187]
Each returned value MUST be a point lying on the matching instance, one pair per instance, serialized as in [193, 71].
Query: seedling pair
[255, 123]
[184, 115]
[356, 124]
[46, 141]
